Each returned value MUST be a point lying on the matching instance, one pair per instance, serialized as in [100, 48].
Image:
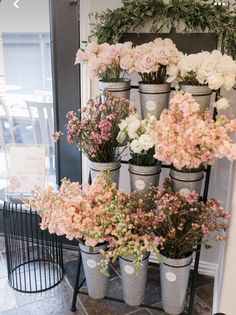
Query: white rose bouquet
[137, 133]
[205, 68]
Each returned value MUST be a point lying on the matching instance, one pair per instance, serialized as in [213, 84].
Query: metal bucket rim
[98, 247]
[145, 256]
[168, 261]
[111, 166]
[120, 80]
[196, 89]
[145, 88]
[136, 169]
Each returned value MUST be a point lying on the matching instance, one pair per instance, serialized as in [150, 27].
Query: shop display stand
[189, 308]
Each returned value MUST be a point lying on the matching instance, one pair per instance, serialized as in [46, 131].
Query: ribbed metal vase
[202, 94]
[119, 89]
[142, 178]
[133, 283]
[174, 283]
[97, 282]
[154, 98]
[191, 181]
[112, 168]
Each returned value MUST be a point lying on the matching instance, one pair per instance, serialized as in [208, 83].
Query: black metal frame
[34, 257]
[189, 311]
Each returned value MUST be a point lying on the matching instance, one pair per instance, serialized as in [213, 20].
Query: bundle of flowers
[205, 68]
[152, 60]
[95, 130]
[132, 233]
[214, 69]
[137, 133]
[77, 211]
[105, 61]
[184, 221]
[187, 139]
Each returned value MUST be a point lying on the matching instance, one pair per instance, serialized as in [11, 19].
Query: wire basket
[34, 257]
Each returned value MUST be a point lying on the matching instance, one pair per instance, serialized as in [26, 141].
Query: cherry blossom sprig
[95, 129]
[184, 221]
[188, 139]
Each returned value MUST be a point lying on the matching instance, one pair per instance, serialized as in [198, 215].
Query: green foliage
[197, 15]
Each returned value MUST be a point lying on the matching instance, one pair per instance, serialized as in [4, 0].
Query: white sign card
[26, 169]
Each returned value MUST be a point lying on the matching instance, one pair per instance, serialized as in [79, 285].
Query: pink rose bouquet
[152, 60]
[187, 139]
[184, 221]
[95, 130]
[105, 61]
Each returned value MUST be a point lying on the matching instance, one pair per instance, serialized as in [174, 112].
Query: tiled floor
[57, 301]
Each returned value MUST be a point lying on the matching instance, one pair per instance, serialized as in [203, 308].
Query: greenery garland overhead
[197, 15]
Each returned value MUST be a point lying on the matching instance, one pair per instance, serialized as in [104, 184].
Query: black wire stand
[34, 257]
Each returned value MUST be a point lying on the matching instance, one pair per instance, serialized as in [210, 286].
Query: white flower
[172, 72]
[133, 126]
[221, 104]
[135, 146]
[121, 136]
[184, 192]
[226, 66]
[208, 67]
[123, 124]
[229, 82]
[188, 63]
[146, 142]
[215, 81]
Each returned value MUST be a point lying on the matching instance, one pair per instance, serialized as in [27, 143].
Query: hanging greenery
[196, 15]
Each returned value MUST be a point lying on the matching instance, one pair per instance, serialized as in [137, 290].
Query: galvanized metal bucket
[112, 168]
[154, 98]
[133, 282]
[97, 282]
[174, 283]
[119, 89]
[202, 94]
[191, 181]
[142, 178]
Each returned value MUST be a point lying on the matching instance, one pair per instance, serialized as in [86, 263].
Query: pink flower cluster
[77, 211]
[184, 220]
[95, 132]
[152, 60]
[187, 139]
[104, 61]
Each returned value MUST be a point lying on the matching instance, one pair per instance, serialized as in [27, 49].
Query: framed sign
[26, 168]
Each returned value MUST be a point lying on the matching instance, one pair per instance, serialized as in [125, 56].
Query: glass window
[26, 101]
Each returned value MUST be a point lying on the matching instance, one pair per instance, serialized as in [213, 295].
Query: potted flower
[201, 73]
[144, 169]
[109, 64]
[187, 140]
[131, 241]
[95, 133]
[151, 61]
[79, 212]
[184, 222]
